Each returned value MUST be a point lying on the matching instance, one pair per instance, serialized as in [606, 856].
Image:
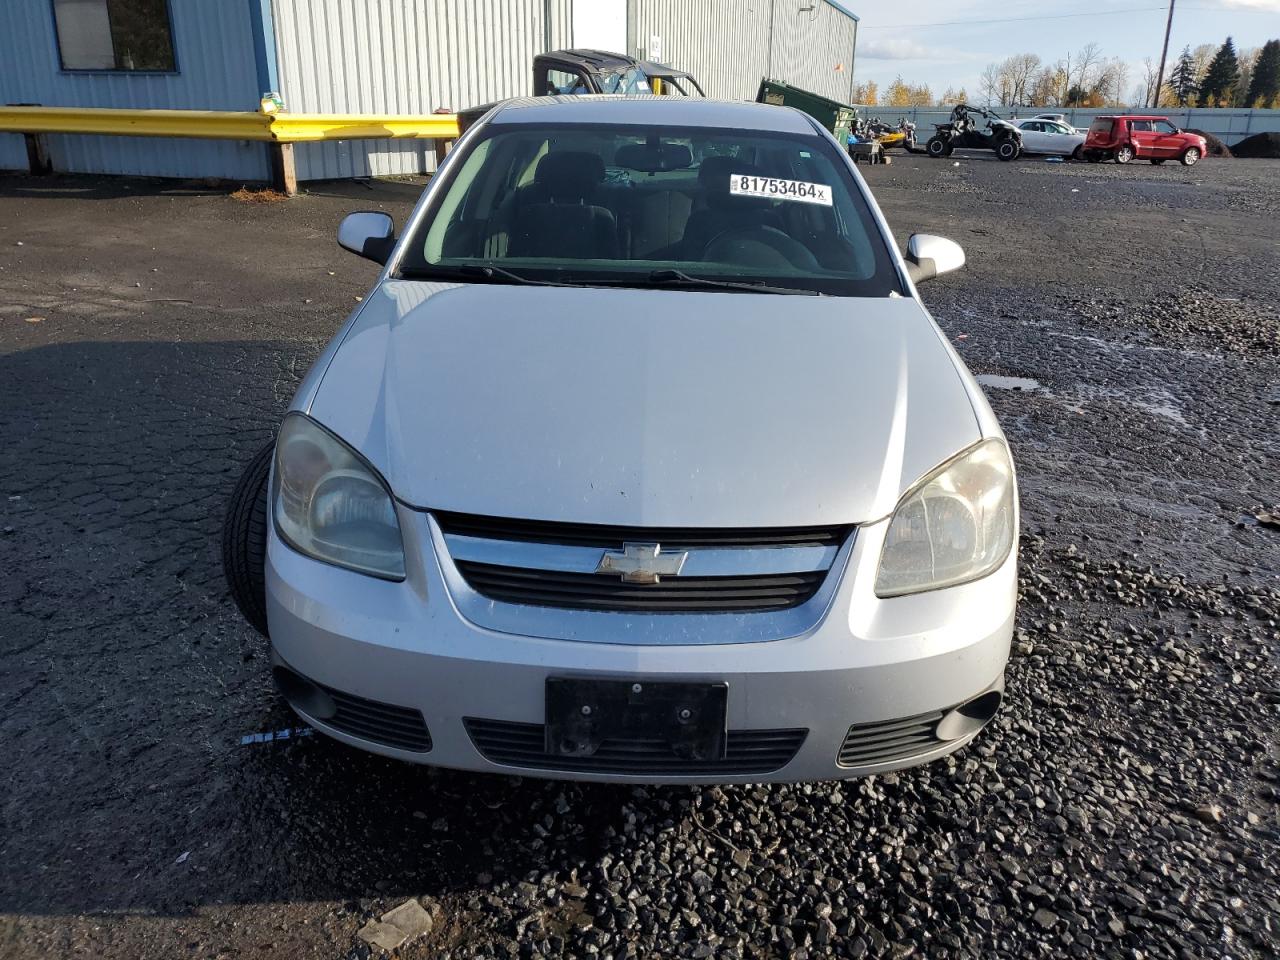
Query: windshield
[638, 206]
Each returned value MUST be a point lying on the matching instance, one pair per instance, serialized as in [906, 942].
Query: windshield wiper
[482, 272]
[680, 278]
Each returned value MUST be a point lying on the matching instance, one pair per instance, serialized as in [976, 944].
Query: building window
[114, 35]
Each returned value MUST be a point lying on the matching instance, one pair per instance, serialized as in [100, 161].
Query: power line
[1049, 16]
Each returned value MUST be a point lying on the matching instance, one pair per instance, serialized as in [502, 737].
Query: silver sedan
[1053, 137]
[641, 461]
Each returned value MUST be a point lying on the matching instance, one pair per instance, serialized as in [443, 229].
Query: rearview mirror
[929, 256]
[368, 234]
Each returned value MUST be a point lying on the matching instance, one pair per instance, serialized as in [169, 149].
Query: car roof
[655, 110]
[595, 59]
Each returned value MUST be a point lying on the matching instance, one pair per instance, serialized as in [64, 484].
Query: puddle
[996, 382]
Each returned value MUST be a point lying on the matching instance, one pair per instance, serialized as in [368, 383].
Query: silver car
[641, 461]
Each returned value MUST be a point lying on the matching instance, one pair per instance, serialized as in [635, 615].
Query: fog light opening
[304, 695]
[970, 717]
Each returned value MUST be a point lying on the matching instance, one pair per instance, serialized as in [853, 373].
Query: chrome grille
[558, 565]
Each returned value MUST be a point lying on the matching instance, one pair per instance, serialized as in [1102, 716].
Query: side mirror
[929, 256]
[368, 234]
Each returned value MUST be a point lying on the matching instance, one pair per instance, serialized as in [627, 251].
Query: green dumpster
[835, 116]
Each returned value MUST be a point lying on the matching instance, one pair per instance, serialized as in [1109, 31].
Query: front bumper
[886, 668]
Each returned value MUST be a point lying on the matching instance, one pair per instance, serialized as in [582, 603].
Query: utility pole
[1155, 94]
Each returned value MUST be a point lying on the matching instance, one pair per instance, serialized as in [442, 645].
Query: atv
[967, 131]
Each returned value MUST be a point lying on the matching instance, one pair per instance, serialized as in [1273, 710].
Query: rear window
[1101, 125]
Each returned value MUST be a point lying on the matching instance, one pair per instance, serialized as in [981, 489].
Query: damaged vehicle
[641, 461]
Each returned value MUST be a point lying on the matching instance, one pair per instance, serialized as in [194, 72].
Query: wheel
[1124, 154]
[936, 147]
[244, 540]
[1191, 157]
[1007, 150]
[1156, 162]
[1078, 154]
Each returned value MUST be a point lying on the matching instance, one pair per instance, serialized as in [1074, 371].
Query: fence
[280, 130]
[1229, 126]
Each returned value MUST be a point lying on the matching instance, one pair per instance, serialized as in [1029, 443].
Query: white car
[1051, 137]
[641, 461]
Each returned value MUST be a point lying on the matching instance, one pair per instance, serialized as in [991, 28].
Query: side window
[1164, 126]
[1139, 126]
[562, 81]
[126, 35]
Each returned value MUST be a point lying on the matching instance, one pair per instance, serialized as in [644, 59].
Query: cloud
[894, 48]
[1269, 6]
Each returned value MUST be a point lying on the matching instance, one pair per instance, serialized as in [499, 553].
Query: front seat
[565, 221]
[721, 211]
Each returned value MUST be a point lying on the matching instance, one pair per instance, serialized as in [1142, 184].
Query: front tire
[1078, 154]
[1191, 157]
[1124, 154]
[244, 540]
[1007, 150]
[936, 148]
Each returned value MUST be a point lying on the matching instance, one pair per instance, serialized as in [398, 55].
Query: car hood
[645, 407]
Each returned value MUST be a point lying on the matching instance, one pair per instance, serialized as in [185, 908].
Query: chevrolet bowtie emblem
[642, 562]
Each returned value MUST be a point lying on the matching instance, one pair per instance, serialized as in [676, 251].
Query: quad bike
[903, 135]
[966, 131]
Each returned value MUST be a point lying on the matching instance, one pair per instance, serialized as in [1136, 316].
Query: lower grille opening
[522, 745]
[585, 591]
[392, 726]
[890, 740]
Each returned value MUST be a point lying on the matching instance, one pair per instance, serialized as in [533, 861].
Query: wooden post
[38, 160]
[284, 174]
[442, 146]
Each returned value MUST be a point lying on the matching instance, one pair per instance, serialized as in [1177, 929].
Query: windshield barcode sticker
[745, 185]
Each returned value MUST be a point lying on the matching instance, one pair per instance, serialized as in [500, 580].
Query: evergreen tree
[1265, 86]
[1220, 79]
[1182, 81]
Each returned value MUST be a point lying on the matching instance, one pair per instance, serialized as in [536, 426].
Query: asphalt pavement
[1124, 803]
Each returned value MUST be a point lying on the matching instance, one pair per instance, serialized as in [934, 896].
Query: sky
[896, 38]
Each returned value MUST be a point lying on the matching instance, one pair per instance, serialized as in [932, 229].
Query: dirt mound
[1265, 146]
[1216, 147]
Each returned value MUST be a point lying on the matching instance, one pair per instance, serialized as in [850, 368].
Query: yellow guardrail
[226, 125]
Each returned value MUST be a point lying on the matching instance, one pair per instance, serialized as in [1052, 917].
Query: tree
[1220, 79]
[1077, 96]
[1240, 93]
[991, 86]
[1182, 79]
[867, 94]
[898, 94]
[1264, 85]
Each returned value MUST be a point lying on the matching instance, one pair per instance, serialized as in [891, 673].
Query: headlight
[955, 525]
[331, 505]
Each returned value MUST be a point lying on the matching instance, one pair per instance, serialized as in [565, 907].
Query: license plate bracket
[581, 714]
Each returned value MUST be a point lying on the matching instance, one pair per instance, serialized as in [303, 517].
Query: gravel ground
[1124, 803]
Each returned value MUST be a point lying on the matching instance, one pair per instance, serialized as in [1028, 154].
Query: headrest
[570, 175]
[653, 158]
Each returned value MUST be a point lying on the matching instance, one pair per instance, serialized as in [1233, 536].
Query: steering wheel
[759, 246]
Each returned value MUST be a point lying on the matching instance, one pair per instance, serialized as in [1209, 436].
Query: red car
[1141, 138]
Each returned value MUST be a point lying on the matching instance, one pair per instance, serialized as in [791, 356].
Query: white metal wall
[729, 45]
[404, 56]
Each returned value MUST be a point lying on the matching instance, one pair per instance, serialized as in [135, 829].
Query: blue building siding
[214, 45]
